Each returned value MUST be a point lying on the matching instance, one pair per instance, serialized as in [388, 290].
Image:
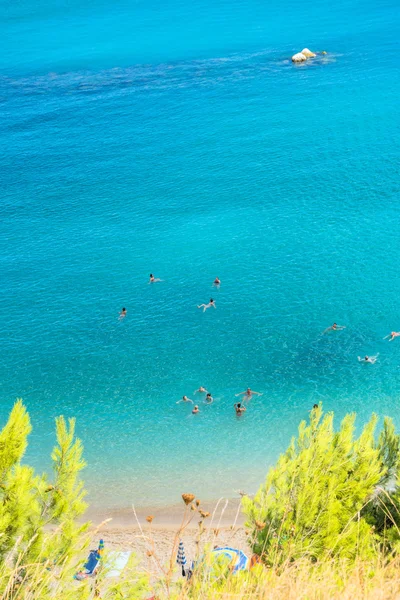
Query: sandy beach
[153, 544]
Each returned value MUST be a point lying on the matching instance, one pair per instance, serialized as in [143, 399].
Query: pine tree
[29, 502]
[18, 502]
[313, 503]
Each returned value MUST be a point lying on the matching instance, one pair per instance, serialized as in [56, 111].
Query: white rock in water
[307, 53]
[299, 57]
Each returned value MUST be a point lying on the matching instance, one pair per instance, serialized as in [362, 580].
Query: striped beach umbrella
[181, 558]
[100, 550]
[235, 559]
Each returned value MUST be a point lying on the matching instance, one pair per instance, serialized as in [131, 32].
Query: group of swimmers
[366, 359]
[216, 283]
[202, 390]
[239, 408]
[247, 394]
[152, 279]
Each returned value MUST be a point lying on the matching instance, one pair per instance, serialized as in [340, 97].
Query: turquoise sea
[178, 138]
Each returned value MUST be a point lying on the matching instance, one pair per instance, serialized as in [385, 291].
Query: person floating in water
[195, 410]
[247, 394]
[209, 305]
[239, 409]
[368, 359]
[334, 327]
[209, 398]
[153, 279]
[217, 282]
[392, 335]
[201, 390]
[185, 399]
[122, 314]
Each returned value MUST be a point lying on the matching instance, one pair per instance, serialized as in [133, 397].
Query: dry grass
[302, 580]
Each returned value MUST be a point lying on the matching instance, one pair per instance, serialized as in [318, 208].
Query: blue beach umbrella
[181, 558]
[235, 559]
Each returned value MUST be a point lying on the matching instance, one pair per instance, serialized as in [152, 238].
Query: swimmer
[122, 314]
[209, 305]
[217, 282]
[195, 410]
[239, 409]
[209, 398]
[153, 279]
[368, 359]
[201, 390]
[247, 394]
[335, 327]
[392, 335]
[185, 399]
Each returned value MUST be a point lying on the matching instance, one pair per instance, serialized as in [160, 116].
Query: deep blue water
[181, 140]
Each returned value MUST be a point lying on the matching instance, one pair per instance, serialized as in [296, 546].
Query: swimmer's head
[211, 300]
[151, 275]
[315, 406]
[124, 309]
[196, 407]
[239, 405]
[366, 358]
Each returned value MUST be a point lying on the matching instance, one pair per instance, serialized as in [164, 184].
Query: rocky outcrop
[307, 53]
[299, 57]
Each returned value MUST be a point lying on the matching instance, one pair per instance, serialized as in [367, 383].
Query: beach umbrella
[181, 558]
[235, 559]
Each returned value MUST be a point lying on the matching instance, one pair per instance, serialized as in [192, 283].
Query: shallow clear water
[181, 141]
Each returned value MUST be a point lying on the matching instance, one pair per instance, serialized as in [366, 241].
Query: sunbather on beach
[153, 279]
[239, 409]
[195, 410]
[392, 335]
[368, 359]
[185, 399]
[247, 394]
[201, 390]
[334, 327]
[122, 314]
[205, 306]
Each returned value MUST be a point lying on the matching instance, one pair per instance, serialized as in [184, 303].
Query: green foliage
[13, 439]
[323, 497]
[67, 458]
[27, 501]
[37, 561]
[65, 497]
[389, 450]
